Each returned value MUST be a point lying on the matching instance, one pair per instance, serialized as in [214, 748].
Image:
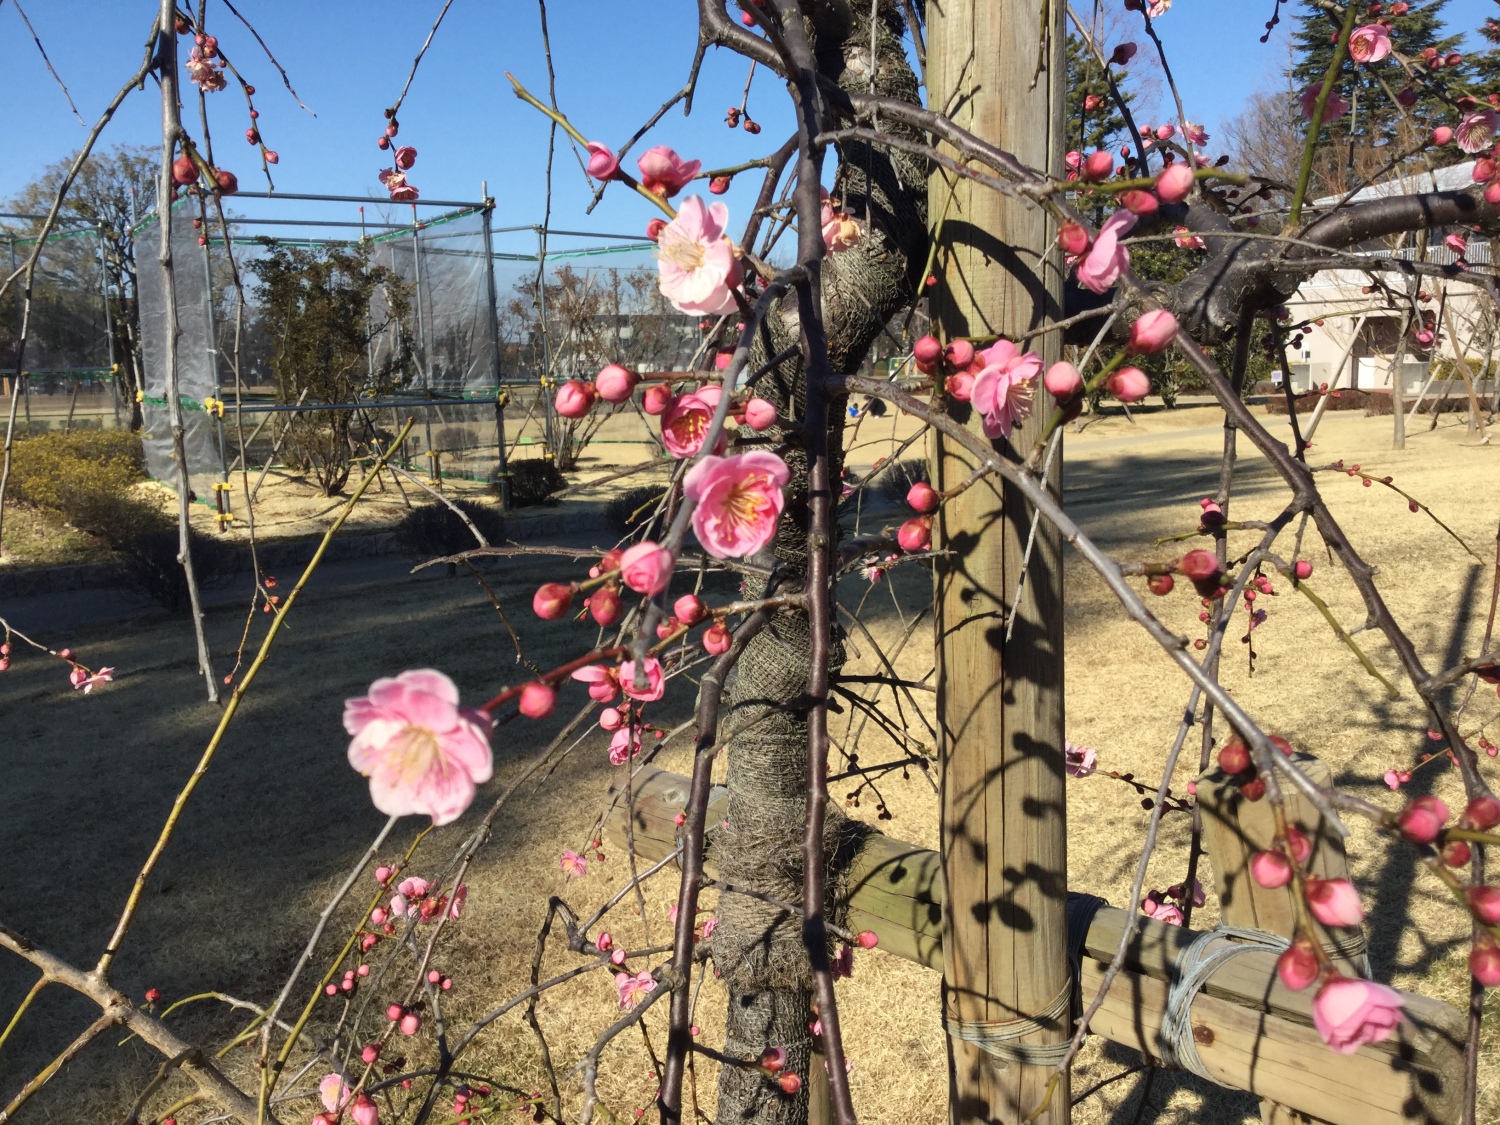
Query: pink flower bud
[411, 1023]
[773, 1059]
[604, 942]
[867, 939]
[922, 497]
[654, 228]
[1482, 814]
[959, 354]
[1160, 584]
[1484, 961]
[1152, 332]
[926, 352]
[611, 719]
[378, 916]
[1335, 902]
[915, 534]
[1098, 165]
[1297, 840]
[537, 700]
[574, 399]
[1485, 902]
[1492, 192]
[1422, 820]
[960, 387]
[551, 601]
[1298, 966]
[1140, 202]
[615, 383]
[1129, 384]
[394, 1012]
[647, 568]
[719, 185]
[789, 1082]
[603, 163]
[1073, 238]
[657, 399]
[689, 609]
[365, 1112]
[1175, 183]
[617, 957]
[604, 605]
[1063, 381]
[1270, 869]
[1202, 566]
[759, 414]
[370, 1053]
[1442, 135]
[382, 873]
[1302, 569]
[716, 640]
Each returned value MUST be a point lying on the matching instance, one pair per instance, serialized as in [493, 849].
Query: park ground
[280, 817]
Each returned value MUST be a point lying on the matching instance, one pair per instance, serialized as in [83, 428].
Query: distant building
[1350, 322]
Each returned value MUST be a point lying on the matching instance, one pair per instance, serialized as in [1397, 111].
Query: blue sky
[348, 59]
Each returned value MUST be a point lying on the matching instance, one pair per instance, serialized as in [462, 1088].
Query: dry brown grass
[280, 817]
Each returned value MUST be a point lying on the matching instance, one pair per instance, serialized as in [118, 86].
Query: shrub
[532, 482]
[628, 512]
[433, 530]
[87, 478]
[149, 560]
[896, 481]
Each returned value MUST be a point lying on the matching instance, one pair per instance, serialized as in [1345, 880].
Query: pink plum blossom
[647, 567]
[603, 685]
[738, 501]
[1106, 259]
[460, 897]
[651, 673]
[840, 231]
[1004, 387]
[1349, 1012]
[365, 1111]
[603, 163]
[573, 865]
[421, 752]
[626, 744]
[664, 172]
[1477, 131]
[81, 679]
[684, 425]
[1187, 239]
[1195, 133]
[695, 262]
[1079, 761]
[632, 988]
[1457, 243]
[404, 157]
[1333, 109]
[333, 1091]
[1369, 44]
[395, 183]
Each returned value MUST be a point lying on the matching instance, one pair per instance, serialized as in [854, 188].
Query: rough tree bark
[757, 948]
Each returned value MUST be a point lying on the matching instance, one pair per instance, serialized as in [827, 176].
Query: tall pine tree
[1358, 142]
[1100, 126]
[1486, 64]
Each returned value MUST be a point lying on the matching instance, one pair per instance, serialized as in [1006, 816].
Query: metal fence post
[502, 472]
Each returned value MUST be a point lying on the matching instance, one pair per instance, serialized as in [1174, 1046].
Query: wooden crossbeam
[1251, 1031]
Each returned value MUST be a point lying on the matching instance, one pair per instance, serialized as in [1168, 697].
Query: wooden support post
[1234, 829]
[1000, 702]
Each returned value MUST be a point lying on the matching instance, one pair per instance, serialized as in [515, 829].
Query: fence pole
[552, 427]
[502, 472]
[109, 325]
[1000, 702]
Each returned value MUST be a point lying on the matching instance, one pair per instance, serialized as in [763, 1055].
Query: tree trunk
[757, 948]
[1000, 701]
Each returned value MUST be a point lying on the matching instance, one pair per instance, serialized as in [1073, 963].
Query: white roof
[1452, 178]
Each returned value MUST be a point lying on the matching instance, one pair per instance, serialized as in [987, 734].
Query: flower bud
[922, 497]
[716, 639]
[1270, 869]
[1129, 384]
[615, 383]
[551, 601]
[657, 399]
[915, 534]
[1422, 820]
[689, 609]
[537, 700]
[1073, 238]
[605, 606]
[1298, 965]
[959, 354]
[1063, 381]
[1175, 183]
[574, 399]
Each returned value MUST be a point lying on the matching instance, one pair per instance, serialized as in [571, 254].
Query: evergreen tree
[1486, 64]
[1100, 126]
[1373, 121]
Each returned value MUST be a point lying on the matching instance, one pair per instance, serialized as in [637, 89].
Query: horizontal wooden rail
[1252, 1032]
